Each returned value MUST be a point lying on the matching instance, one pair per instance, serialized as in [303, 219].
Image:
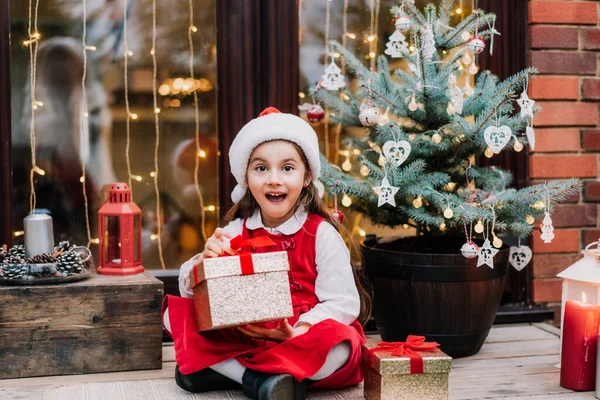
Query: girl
[275, 160]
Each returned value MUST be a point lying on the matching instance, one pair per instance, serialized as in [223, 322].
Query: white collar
[289, 227]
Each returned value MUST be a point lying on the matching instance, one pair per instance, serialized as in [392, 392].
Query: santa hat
[272, 124]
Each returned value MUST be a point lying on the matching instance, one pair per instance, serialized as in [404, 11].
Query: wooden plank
[506, 387]
[518, 349]
[548, 328]
[505, 367]
[517, 333]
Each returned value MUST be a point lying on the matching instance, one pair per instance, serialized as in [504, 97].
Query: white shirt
[335, 287]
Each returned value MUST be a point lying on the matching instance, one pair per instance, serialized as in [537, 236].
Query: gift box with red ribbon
[413, 370]
[243, 289]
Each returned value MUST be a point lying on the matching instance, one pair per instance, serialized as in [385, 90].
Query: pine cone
[12, 271]
[69, 263]
[63, 246]
[43, 258]
[16, 255]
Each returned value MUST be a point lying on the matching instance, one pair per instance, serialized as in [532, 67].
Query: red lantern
[120, 234]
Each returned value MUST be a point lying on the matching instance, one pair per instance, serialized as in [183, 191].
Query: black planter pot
[444, 297]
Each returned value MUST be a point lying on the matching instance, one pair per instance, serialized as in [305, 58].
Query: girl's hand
[218, 244]
[283, 333]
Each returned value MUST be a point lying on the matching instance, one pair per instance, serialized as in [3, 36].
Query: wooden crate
[101, 324]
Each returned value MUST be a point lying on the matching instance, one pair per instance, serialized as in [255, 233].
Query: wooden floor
[516, 362]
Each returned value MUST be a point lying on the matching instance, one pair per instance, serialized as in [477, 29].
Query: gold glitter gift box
[244, 289]
[389, 377]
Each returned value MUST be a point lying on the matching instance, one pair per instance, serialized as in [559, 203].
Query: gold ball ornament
[346, 200]
[529, 219]
[418, 202]
[436, 138]
[448, 213]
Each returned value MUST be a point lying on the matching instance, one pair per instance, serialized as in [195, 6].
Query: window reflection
[61, 137]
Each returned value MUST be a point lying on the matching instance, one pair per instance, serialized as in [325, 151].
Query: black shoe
[263, 386]
[204, 380]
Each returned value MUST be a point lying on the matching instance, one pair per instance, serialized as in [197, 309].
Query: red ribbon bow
[407, 349]
[287, 244]
[245, 249]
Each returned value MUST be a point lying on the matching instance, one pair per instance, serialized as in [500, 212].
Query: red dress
[301, 356]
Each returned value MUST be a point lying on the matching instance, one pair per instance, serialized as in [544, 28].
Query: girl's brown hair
[310, 200]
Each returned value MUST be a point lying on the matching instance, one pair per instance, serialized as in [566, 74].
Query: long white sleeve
[335, 286]
[185, 290]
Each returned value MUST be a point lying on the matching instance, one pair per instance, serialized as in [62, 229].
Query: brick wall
[564, 39]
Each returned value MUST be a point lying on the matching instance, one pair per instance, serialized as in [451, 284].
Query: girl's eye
[260, 168]
[288, 168]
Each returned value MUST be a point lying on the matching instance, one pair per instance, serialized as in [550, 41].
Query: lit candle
[579, 347]
[39, 234]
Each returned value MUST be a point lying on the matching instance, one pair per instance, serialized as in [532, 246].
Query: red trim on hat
[269, 110]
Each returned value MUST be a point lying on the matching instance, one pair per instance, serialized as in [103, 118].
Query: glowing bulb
[152, 52]
[153, 236]
[465, 35]
[193, 28]
[356, 152]
[497, 242]
[137, 178]
[466, 59]
[364, 170]
[157, 110]
[529, 219]
[538, 205]
[450, 186]
[448, 213]
[85, 114]
[411, 48]
[442, 227]
[39, 171]
[479, 227]
[436, 138]
[201, 153]
[134, 116]
[346, 201]
[473, 69]
[152, 174]
[412, 136]
[362, 233]
[381, 160]
[90, 48]
[82, 179]
[96, 241]
[36, 35]
[19, 233]
[129, 53]
[372, 54]
[418, 202]
[346, 97]
[489, 153]
[347, 165]
[351, 35]
[164, 89]
[371, 38]
[211, 208]
[413, 104]
[301, 95]
[459, 11]
[405, 226]
[518, 146]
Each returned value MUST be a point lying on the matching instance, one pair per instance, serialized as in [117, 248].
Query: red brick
[553, 37]
[554, 88]
[557, 62]
[548, 265]
[589, 236]
[564, 12]
[591, 191]
[590, 38]
[545, 290]
[561, 113]
[590, 89]
[590, 139]
[551, 140]
[568, 166]
[565, 241]
[574, 215]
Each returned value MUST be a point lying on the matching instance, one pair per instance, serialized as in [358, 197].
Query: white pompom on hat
[272, 124]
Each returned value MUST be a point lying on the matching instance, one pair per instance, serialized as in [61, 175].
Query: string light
[154, 236]
[155, 173]
[346, 200]
[196, 126]
[443, 227]
[210, 208]
[202, 154]
[32, 44]
[436, 138]
[497, 242]
[350, 35]
[19, 233]
[347, 165]
[362, 233]
[529, 219]
[518, 146]
[479, 226]
[364, 170]
[39, 171]
[448, 213]
[381, 160]
[418, 202]
[489, 153]
[301, 95]
[538, 205]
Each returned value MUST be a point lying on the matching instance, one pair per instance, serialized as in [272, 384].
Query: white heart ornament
[519, 257]
[497, 137]
[396, 152]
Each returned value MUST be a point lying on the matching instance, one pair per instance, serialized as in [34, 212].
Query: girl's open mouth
[275, 197]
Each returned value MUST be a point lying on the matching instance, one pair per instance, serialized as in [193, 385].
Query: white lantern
[368, 116]
[581, 277]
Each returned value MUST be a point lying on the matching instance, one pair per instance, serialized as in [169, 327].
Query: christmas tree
[416, 164]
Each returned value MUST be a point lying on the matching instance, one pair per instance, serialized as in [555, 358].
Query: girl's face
[276, 175]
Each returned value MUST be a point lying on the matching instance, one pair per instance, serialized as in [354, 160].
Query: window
[114, 100]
